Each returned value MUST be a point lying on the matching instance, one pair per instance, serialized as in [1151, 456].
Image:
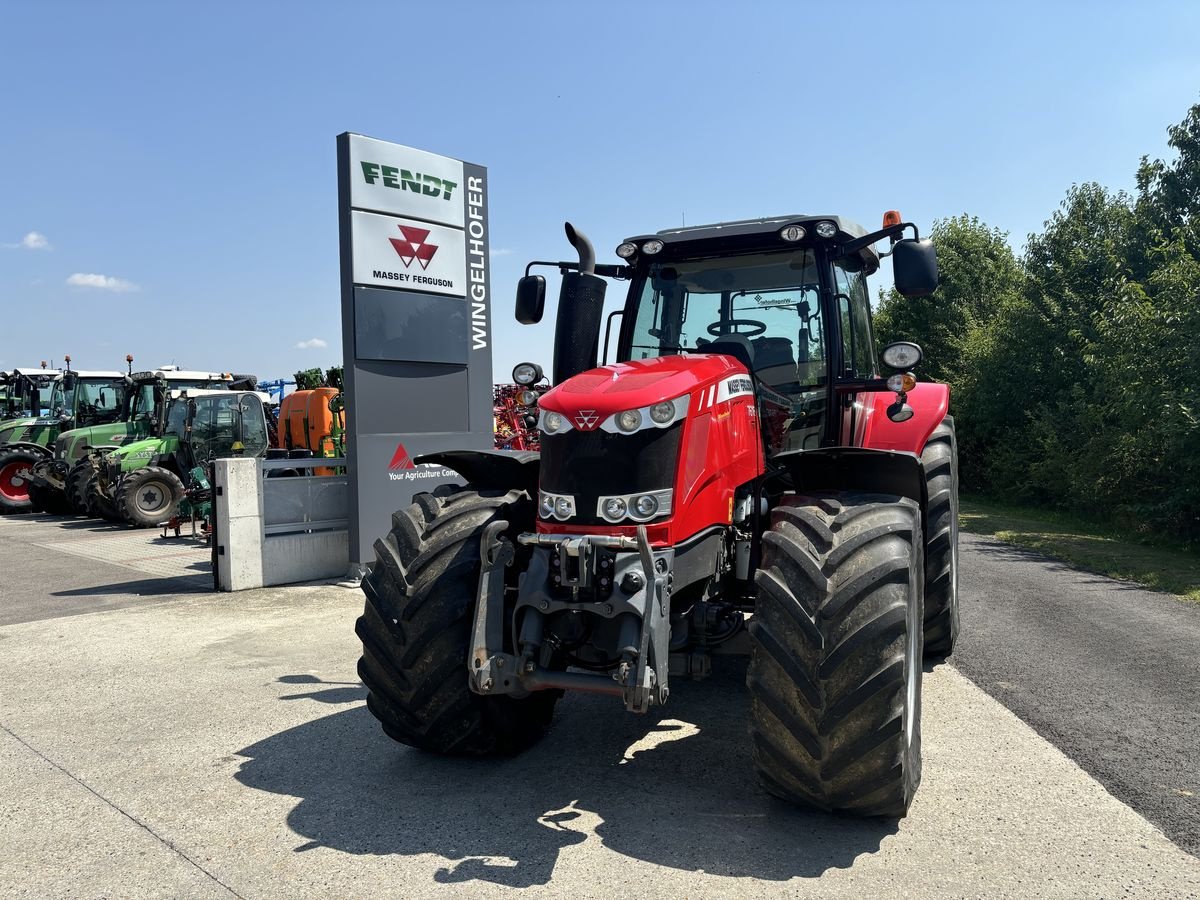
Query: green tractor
[77, 453]
[160, 480]
[53, 402]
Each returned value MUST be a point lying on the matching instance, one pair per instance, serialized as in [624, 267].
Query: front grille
[589, 465]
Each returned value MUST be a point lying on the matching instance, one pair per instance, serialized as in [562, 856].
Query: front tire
[149, 496]
[835, 665]
[416, 628]
[940, 461]
[16, 478]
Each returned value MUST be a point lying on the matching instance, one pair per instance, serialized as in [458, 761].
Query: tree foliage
[1075, 370]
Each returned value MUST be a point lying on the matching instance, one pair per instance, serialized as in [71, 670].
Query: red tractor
[742, 477]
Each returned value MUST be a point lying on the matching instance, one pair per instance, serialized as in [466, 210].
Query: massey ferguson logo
[413, 246]
[587, 419]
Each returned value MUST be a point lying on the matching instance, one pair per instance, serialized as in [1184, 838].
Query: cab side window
[854, 304]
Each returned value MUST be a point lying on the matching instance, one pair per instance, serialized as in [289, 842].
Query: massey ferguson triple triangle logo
[587, 419]
[413, 246]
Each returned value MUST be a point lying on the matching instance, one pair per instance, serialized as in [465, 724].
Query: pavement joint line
[132, 818]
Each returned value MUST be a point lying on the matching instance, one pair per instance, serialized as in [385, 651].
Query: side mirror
[914, 265]
[70, 379]
[531, 299]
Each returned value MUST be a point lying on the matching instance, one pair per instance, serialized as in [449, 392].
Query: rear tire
[835, 665]
[149, 496]
[416, 629]
[940, 460]
[79, 480]
[16, 480]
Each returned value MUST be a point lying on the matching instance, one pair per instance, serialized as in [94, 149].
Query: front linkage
[632, 583]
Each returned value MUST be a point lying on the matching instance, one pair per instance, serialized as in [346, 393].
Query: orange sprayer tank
[305, 421]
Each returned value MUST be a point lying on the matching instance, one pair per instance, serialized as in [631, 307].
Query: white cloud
[312, 344]
[35, 240]
[103, 282]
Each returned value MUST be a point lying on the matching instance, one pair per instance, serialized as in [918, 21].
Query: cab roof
[750, 235]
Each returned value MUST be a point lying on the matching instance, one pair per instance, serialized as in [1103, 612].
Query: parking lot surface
[198, 744]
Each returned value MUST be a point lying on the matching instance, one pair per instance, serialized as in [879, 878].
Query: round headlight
[901, 355]
[527, 373]
[662, 413]
[626, 249]
[546, 506]
[792, 233]
[562, 508]
[826, 229]
[630, 420]
[552, 422]
[527, 397]
[645, 505]
[614, 508]
[652, 246]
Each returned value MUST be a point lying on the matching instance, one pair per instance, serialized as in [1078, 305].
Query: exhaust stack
[580, 309]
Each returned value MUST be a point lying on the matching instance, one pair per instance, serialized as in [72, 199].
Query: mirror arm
[607, 271]
[892, 231]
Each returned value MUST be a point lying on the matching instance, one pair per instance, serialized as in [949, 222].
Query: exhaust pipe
[580, 309]
[587, 253]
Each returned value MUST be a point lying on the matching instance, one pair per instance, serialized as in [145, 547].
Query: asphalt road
[1106, 671]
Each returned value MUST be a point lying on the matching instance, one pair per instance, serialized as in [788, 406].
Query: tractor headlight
[792, 233]
[901, 355]
[638, 507]
[552, 422]
[630, 420]
[656, 415]
[527, 397]
[826, 229]
[526, 373]
[645, 506]
[556, 506]
[626, 249]
[652, 246]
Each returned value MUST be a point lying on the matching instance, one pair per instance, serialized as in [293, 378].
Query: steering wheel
[715, 329]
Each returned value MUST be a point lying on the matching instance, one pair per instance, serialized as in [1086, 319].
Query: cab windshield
[98, 396]
[769, 301]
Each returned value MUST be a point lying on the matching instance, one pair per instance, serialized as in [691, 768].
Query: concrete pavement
[218, 745]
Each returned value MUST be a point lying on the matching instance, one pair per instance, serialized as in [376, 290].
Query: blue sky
[178, 163]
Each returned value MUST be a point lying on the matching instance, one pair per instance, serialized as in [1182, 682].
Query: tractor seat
[774, 361]
[736, 345]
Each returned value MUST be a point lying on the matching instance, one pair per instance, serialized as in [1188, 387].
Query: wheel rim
[152, 497]
[14, 481]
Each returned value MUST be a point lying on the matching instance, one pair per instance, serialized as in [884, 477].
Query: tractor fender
[502, 469]
[27, 446]
[855, 469]
[929, 402]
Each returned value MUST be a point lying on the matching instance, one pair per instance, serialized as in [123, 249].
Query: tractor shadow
[677, 789]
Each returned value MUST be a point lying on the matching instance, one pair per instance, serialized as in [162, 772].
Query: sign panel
[416, 324]
[407, 254]
[396, 179]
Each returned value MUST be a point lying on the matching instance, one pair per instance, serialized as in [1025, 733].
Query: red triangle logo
[400, 459]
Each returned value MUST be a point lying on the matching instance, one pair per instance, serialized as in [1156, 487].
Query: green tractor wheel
[149, 496]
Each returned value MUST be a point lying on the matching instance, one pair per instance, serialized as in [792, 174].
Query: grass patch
[1155, 563]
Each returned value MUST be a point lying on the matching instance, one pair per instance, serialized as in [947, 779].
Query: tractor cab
[154, 480]
[30, 393]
